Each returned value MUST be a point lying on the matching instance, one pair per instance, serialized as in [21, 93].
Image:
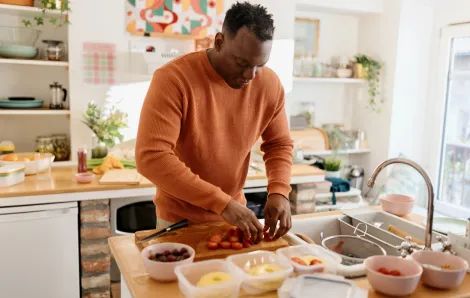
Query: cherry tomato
[233, 239]
[225, 244]
[383, 271]
[217, 238]
[246, 243]
[315, 262]
[212, 245]
[267, 238]
[237, 245]
[395, 273]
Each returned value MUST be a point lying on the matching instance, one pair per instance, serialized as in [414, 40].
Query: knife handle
[178, 225]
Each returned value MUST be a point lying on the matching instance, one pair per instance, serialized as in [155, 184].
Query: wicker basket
[18, 2]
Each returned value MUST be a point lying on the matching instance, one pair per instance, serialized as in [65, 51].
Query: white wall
[338, 37]
[359, 7]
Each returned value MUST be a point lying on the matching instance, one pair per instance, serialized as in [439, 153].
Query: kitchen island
[136, 283]
[60, 215]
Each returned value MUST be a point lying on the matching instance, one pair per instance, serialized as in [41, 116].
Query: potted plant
[105, 127]
[369, 69]
[332, 167]
[48, 5]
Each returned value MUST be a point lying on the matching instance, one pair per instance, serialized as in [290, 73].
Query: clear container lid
[328, 286]
[330, 261]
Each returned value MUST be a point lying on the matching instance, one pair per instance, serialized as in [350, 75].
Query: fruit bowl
[260, 271]
[208, 279]
[160, 270]
[392, 285]
[30, 160]
[434, 275]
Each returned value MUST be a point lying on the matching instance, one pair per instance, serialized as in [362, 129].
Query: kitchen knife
[176, 226]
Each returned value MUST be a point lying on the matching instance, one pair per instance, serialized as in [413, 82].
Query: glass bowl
[18, 36]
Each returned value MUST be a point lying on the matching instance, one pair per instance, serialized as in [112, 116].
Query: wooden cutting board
[197, 236]
[122, 176]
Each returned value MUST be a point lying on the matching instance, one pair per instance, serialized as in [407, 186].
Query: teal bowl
[18, 51]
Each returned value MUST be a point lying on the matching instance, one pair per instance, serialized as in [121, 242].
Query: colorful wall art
[99, 63]
[189, 18]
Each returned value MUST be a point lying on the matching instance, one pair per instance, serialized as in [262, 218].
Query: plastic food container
[266, 282]
[7, 147]
[189, 275]
[33, 162]
[11, 175]
[331, 261]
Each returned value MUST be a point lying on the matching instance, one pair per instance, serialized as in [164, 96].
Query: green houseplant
[48, 5]
[105, 127]
[332, 166]
[372, 70]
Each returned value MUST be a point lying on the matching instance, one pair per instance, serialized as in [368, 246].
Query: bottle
[81, 154]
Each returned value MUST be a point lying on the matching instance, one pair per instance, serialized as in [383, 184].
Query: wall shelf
[39, 111]
[34, 62]
[339, 152]
[328, 80]
[25, 10]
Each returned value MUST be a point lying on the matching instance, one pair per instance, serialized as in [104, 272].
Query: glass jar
[308, 111]
[44, 144]
[307, 67]
[61, 147]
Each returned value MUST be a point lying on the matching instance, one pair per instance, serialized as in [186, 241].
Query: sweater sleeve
[277, 147]
[159, 127]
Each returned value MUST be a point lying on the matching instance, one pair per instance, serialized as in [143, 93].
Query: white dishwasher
[39, 251]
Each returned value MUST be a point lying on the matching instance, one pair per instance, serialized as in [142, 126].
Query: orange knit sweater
[196, 133]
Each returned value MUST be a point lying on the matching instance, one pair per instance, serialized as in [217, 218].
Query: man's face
[242, 57]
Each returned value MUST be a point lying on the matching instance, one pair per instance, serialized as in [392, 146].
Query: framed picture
[307, 33]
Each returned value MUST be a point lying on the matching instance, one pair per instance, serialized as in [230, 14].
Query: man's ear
[219, 41]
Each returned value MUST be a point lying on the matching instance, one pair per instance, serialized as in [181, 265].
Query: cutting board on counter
[122, 176]
[197, 236]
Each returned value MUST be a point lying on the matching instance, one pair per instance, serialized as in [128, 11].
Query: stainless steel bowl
[355, 249]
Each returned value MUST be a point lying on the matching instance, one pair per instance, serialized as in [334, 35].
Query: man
[202, 115]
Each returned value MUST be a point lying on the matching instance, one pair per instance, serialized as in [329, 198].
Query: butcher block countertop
[128, 258]
[63, 182]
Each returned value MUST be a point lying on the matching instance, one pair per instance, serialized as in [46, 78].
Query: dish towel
[338, 185]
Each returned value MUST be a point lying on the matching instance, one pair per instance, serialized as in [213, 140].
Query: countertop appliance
[39, 251]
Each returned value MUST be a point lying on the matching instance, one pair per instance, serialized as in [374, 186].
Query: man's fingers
[254, 232]
[273, 224]
[258, 230]
[284, 225]
[245, 229]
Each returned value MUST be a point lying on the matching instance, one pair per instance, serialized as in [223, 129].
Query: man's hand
[242, 217]
[277, 208]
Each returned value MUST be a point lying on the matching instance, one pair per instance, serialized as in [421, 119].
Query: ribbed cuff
[279, 188]
[221, 201]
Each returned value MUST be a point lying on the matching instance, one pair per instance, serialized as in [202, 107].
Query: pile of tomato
[233, 238]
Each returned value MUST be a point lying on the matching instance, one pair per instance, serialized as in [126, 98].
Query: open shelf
[34, 62]
[39, 111]
[25, 10]
[338, 152]
[328, 80]
[326, 197]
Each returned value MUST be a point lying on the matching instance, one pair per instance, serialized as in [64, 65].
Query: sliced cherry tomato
[225, 244]
[212, 245]
[395, 273]
[383, 271]
[217, 238]
[246, 243]
[267, 238]
[233, 239]
[237, 245]
[299, 261]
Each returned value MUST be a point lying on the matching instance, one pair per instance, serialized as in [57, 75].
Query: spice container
[81, 155]
[61, 147]
[7, 147]
[44, 144]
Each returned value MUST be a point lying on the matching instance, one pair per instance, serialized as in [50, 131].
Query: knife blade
[176, 226]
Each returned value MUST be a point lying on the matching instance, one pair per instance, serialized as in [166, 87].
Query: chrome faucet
[371, 182]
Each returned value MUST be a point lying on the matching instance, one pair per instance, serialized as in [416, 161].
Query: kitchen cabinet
[39, 251]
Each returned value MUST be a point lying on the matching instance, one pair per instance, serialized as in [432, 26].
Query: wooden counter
[141, 286]
[63, 181]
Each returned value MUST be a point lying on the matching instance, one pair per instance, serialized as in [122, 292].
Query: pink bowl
[84, 177]
[399, 205]
[393, 285]
[164, 271]
[437, 278]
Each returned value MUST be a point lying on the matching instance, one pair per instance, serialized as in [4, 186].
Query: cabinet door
[39, 254]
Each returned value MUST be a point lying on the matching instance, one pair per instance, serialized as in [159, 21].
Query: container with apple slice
[310, 258]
